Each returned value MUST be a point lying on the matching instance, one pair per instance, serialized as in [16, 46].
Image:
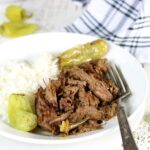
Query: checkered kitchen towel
[124, 22]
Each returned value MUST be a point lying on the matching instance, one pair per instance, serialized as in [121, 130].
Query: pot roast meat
[92, 112]
[87, 98]
[80, 92]
[85, 112]
[112, 88]
[70, 91]
[98, 87]
[60, 118]
[88, 125]
[50, 92]
[76, 82]
[100, 66]
[66, 104]
[108, 111]
[45, 112]
[87, 67]
[97, 67]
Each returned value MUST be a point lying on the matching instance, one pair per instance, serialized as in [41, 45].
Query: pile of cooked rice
[20, 76]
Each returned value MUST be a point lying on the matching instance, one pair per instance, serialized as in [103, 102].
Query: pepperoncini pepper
[83, 53]
[16, 26]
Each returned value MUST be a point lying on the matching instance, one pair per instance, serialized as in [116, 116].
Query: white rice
[25, 77]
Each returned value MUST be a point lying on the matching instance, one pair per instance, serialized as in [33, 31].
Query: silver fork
[115, 74]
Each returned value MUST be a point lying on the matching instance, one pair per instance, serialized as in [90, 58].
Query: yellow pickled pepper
[16, 13]
[83, 53]
[20, 112]
[16, 29]
[16, 26]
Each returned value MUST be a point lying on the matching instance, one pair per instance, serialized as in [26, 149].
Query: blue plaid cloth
[123, 22]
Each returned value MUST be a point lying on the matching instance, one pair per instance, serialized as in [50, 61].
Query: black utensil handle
[127, 137]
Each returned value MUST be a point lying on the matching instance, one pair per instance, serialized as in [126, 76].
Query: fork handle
[127, 137]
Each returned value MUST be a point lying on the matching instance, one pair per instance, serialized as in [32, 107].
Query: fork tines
[115, 74]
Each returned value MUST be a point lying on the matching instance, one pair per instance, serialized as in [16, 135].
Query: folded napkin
[123, 22]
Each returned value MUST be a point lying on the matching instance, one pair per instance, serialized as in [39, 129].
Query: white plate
[30, 46]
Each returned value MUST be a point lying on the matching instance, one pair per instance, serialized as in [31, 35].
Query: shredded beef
[87, 98]
[98, 87]
[81, 92]
[76, 82]
[66, 104]
[50, 92]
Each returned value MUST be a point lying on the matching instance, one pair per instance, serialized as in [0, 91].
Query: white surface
[56, 18]
[26, 48]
